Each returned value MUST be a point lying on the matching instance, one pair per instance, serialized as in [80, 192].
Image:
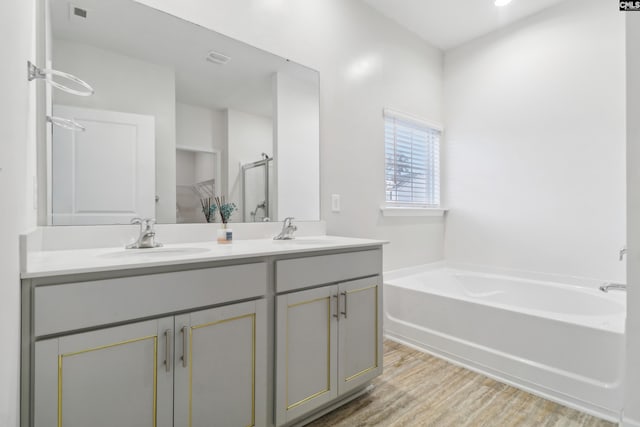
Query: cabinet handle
[337, 305]
[167, 350]
[345, 304]
[184, 346]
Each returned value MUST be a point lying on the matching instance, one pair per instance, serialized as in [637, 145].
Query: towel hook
[42, 73]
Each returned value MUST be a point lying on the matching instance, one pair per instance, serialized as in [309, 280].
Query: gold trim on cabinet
[103, 347]
[253, 362]
[361, 289]
[364, 371]
[59, 390]
[375, 365]
[190, 376]
[313, 396]
[306, 399]
[307, 302]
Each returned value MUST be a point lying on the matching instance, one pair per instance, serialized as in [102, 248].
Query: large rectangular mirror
[180, 114]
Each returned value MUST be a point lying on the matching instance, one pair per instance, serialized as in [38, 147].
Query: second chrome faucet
[287, 229]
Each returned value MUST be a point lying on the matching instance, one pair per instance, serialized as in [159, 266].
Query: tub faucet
[622, 253]
[287, 229]
[613, 287]
[147, 237]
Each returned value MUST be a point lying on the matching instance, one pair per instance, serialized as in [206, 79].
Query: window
[412, 152]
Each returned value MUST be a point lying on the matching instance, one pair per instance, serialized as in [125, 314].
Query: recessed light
[502, 2]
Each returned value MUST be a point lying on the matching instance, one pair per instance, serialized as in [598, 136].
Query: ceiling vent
[77, 13]
[217, 58]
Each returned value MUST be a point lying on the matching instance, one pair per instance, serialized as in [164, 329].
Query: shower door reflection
[257, 190]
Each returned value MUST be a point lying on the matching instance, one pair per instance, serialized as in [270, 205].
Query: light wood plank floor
[417, 389]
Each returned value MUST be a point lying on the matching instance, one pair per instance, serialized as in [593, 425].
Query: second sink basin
[304, 241]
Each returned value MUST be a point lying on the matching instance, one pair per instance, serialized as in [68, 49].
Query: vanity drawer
[305, 272]
[79, 305]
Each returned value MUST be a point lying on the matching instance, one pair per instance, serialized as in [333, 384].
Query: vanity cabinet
[111, 377]
[268, 340]
[328, 338]
[197, 357]
[198, 369]
[220, 367]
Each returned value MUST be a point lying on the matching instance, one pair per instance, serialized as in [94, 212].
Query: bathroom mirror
[180, 114]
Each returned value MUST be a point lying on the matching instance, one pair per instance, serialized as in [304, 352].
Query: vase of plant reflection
[208, 208]
[225, 233]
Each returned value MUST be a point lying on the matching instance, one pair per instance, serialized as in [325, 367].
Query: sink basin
[153, 252]
[306, 241]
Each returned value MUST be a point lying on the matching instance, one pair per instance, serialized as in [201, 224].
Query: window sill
[411, 211]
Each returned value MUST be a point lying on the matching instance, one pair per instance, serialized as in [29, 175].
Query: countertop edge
[44, 273]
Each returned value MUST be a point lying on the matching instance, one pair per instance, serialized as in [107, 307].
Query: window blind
[412, 153]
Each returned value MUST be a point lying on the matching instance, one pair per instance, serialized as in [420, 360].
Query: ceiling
[446, 24]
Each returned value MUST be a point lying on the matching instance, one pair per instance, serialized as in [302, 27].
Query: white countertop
[63, 262]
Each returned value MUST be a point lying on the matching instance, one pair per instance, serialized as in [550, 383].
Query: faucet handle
[622, 252]
[136, 220]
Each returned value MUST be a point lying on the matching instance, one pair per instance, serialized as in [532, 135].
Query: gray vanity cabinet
[95, 364]
[212, 362]
[307, 338]
[359, 333]
[271, 340]
[110, 377]
[328, 338]
[220, 367]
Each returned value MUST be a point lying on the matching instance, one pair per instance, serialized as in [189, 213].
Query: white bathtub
[563, 341]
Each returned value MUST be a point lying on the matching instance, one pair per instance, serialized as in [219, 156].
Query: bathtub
[562, 340]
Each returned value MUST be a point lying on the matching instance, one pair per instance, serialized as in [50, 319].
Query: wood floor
[417, 389]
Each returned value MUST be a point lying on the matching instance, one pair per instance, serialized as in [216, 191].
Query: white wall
[248, 136]
[366, 62]
[632, 392]
[185, 167]
[140, 87]
[199, 128]
[297, 146]
[535, 169]
[17, 167]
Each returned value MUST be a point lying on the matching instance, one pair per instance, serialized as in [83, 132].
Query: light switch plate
[335, 203]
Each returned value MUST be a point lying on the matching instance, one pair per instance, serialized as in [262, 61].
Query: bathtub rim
[616, 323]
[580, 281]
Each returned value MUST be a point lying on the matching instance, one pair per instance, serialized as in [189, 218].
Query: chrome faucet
[287, 229]
[622, 253]
[147, 237]
[613, 287]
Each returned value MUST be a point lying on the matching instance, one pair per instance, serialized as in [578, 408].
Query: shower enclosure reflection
[257, 190]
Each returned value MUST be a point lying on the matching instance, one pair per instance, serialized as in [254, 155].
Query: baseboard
[629, 422]
[506, 378]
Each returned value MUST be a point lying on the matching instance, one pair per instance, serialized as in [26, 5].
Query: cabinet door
[360, 332]
[119, 376]
[306, 351]
[220, 376]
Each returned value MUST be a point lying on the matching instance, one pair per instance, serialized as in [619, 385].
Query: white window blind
[412, 152]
